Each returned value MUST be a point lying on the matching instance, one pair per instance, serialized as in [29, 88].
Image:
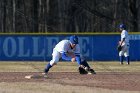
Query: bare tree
[134, 6]
[39, 16]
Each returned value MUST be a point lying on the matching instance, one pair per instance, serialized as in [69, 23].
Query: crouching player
[62, 49]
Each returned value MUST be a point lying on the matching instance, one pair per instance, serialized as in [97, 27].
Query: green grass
[68, 67]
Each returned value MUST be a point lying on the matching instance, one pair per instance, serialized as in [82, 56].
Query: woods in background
[40, 16]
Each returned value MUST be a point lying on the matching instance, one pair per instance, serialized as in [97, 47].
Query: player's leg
[121, 55]
[128, 60]
[88, 69]
[126, 54]
[55, 59]
[84, 63]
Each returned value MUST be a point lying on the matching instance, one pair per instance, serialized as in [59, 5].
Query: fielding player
[65, 48]
[124, 44]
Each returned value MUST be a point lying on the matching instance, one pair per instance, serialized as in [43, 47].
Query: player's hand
[73, 59]
[119, 43]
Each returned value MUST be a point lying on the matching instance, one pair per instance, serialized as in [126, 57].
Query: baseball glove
[82, 70]
[119, 48]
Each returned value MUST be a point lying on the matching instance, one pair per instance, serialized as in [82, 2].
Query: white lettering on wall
[134, 37]
[9, 47]
[38, 47]
[84, 43]
[23, 51]
[52, 41]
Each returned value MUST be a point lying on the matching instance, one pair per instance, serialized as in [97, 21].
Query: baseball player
[62, 50]
[124, 43]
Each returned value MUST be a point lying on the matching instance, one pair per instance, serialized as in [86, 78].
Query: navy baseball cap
[74, 39]
[122, 26]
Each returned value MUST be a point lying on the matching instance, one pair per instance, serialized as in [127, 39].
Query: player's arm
[123, 35]
[65, 57]
[64, 52]
[78, 59]
[121, 42]
[77, 55]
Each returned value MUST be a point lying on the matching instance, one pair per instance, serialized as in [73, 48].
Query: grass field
[47, 87]
[68, 67]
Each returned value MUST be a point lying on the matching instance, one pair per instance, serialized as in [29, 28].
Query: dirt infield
[115, 80]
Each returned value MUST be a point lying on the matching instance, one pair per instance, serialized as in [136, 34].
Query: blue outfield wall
[39, 47]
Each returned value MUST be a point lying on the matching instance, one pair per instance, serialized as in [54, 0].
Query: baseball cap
[122, 26]
[74, 39]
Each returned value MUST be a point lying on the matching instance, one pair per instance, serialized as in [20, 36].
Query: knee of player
[121, 53]
[126, 54]
[52, 63]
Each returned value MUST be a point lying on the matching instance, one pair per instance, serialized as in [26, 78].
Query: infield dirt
[118, 81]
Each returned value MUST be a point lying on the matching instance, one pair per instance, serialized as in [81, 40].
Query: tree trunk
[134, 12]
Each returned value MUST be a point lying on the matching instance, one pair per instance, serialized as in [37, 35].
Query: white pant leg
[55, 57]
[124, 51]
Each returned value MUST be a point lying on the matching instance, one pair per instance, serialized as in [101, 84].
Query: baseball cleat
[91, 71]
[45, 75]
[121, 63]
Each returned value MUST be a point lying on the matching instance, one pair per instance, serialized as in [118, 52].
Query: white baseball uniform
[125, 44]
[61, 47]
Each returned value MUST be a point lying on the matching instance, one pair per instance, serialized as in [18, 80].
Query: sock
[47, 68]
[127, 59]
[85, 63]
[121, 59]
